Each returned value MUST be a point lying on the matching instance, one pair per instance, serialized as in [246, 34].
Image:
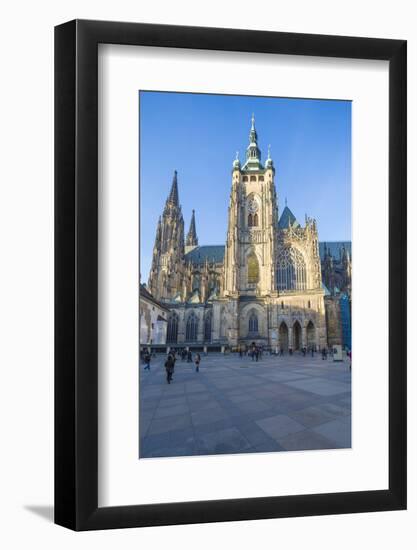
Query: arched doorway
[296, 334]
[283, 336]
[311, 335]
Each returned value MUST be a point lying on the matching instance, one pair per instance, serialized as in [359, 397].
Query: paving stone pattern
[235, 405]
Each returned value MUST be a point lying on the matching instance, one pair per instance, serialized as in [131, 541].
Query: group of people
[254, 351]
[170, 361]
[172, 357]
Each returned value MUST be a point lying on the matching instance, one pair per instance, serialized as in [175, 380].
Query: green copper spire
[269, 162]
[253, 136]
[253, 153]
[236, 162]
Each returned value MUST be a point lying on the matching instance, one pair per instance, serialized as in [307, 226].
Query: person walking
[257, 354]
[189, 356]
[197, 360]
[147, 360]
[169, 367]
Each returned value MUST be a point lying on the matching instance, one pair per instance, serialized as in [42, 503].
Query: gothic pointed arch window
[207, 327]
[191, 328]
[291, 270]
[253, 269]
[172, 329]
[255, 220]
[253, 323]
[250, 220]
[224, 328]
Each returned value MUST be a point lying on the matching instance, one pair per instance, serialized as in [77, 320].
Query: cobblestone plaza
[236, 405]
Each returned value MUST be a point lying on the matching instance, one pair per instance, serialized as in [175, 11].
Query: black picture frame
[76, 273]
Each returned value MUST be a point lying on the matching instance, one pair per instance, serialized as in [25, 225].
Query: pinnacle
[173, 195]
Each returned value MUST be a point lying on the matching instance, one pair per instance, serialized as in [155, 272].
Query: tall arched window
[207, 327]
[253, 323]
[291, 270]
[250, 220]
[172, 329]
[255, 220]
[223, 325]
[253, 269]
[191, 328]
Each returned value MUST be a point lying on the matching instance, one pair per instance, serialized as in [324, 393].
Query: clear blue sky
[198, 135]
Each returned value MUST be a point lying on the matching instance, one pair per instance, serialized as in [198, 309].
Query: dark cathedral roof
[287, 218]
[202, 253]
[335, 248]
[216, 252]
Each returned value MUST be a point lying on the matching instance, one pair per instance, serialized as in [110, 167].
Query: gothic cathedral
[265, 285]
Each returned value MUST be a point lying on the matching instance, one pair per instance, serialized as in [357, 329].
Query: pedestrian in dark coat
[147, 360]
[197, 360]
[169, 367]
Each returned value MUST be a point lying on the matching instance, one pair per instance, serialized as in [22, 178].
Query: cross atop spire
[173, 195]
[192, 239]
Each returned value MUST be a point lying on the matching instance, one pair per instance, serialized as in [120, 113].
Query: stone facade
[264, 285]
[153, 319]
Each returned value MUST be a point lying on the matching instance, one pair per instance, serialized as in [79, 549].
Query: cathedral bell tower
[249, 264]
[165, 278]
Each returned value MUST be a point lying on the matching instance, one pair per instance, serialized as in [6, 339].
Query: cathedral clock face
[252, 206]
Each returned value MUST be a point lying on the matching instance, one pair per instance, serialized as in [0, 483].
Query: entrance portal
[296, 331]
[283, 336]
[311, 336]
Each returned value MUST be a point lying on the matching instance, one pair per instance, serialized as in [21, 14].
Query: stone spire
[165, 277]
[173, 195]
[192, 239]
